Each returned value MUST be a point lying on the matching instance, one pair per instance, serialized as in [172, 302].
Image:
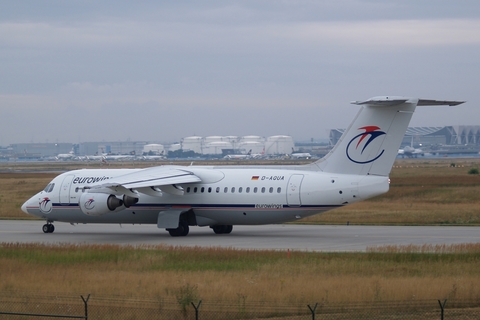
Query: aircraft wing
[150, 181]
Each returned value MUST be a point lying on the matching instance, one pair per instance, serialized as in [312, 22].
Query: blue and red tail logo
[359, 149]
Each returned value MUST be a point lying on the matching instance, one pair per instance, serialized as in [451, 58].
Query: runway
[326, 238]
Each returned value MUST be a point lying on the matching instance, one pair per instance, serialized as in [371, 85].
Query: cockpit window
[49, 187]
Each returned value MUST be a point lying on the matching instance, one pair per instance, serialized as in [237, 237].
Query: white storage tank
[252, 138]
[194, 143]
[279, 145]
[216, 147]
[257, 147]
[154, 148]
[210, 139]
[174, 147]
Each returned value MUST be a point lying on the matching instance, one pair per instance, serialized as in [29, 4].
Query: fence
[16, 306]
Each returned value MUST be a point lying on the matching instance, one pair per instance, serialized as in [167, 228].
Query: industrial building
[455, 138]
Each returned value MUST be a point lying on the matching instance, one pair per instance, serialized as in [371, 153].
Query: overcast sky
[78, 71]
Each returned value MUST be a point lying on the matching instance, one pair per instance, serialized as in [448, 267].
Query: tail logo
[359, 144]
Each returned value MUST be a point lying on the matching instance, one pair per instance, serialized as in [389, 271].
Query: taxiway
[276, 237]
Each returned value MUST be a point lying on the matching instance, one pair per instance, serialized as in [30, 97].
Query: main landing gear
[48, 227]
[222, 229]
[181, 231]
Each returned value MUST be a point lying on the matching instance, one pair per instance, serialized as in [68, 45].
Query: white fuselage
[232, 196]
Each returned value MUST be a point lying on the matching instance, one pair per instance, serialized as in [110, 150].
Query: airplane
[410, 152]
[119, 157]
[301, 155]
[95, 157]
[152, 157]
[248, 155]
[66, 156]
[178, 197]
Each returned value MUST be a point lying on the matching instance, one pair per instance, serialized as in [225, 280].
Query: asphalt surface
[278, 237]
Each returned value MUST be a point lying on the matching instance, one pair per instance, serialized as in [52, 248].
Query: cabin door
[293, 190]
[65, 190]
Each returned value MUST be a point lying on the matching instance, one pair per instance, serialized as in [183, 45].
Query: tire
[46, 228]
[181, 231]
[222, 229]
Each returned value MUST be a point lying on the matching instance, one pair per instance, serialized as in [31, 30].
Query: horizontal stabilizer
[425, 102]
[382, 101]
[395, 100]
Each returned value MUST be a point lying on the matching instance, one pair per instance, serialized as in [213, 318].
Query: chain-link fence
[16, 306]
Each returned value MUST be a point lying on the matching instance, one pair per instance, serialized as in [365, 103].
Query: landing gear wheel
[181, 231]
[48, 228]
[222, 229]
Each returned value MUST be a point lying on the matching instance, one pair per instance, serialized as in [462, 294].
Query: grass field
[422, 192]
[381, 274]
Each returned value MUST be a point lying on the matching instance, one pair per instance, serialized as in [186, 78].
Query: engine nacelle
[96, 204]
[129, 201]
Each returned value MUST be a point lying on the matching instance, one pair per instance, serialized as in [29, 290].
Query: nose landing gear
[48, 227]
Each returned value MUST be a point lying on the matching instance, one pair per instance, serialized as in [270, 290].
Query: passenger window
[188, 189]
[218, 189]
[225, 190]
[195, 190]
[247, 190]
[279, 190]
[203, 189]
[240, 190]
[270, 190]
[263, 189]
[255, 190]
[209, 190]
[233, 189]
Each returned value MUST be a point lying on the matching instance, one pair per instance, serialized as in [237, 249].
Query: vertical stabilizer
[370, 144]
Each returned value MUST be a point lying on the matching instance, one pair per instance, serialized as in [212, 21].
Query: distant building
[428, 136]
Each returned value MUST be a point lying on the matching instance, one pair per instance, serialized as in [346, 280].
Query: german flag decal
[255, 177]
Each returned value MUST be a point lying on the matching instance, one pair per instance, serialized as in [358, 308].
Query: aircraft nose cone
[24, 207]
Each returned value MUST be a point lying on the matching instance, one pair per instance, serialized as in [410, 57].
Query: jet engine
[96, 204]
[129, 201]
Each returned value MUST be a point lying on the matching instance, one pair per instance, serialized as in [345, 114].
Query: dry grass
[383, 274]
[16, 188]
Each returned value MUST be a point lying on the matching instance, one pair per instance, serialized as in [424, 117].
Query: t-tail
[370, 144]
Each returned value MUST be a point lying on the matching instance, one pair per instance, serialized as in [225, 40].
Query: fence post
[313, 310]
[442, 308]
[85, 302]
[196, 308]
